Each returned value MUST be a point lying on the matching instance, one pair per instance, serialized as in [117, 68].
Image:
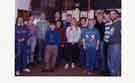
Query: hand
[62, 45]
[21, 40]
[97, 47]
[84, 47]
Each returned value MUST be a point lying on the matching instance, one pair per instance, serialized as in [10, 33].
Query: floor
[36, 70]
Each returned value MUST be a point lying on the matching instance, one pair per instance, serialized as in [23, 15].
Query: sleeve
[35, 30]
[16, 35]
[47, 36]
[63, 36]
[58, 38]
[67, 33]
[28, 34]
[97, 35]
[47, 25]
[82, 33]
[79, 33]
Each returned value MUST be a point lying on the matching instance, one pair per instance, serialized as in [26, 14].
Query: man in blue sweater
[51, 49]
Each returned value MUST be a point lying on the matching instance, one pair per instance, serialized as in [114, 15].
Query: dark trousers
[60, 57]
[21, 54]
[72, 53]
[106, 59]
[40, 50]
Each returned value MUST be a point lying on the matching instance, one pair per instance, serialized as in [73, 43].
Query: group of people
[91, 43]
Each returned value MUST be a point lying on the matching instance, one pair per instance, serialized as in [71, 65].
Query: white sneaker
[73, 65]
[66, 66]
[17, 73]
[27, 70]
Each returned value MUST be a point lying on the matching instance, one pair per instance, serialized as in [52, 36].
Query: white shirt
[36, 20]
[73, 34]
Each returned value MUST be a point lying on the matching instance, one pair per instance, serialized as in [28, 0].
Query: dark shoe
[52, 70]
[45, 70]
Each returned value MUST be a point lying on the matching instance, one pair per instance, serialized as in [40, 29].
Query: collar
[118, 19]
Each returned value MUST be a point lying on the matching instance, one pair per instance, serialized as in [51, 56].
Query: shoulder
[95, 29]
[68, 28]
[78, 28]
[84, 30]
[48, 30]
[38, 22]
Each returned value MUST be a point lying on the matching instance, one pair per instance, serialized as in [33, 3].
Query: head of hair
[118, 13]
[106, 12]
[18, 18]
[83, 18]
[52, 22]
[69, 15]
[61, 23]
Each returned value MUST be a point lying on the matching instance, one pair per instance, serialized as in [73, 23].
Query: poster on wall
[76, 14]
[91, 14]
[70, 12]
[84, 14]
[64, 15]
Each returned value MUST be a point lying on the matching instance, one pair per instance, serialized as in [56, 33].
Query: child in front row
[90, 38]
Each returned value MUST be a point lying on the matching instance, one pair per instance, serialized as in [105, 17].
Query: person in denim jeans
[22, 34]
[108, 23]
[114, 47]
[83, 26]
[33, 40]
[42, 27]
[90, 38]
[100, 26]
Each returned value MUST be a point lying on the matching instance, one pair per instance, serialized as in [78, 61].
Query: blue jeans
[20, 56]
[32, 45]
[60, 59]
[82, 56]
[114, 59]
[40, 50]
[90, 58]
[100, 58]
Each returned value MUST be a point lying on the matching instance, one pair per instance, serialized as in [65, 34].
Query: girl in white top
[73, 35]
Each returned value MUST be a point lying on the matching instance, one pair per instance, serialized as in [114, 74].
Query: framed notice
[84, 14]
[91, 14]
[76, 13]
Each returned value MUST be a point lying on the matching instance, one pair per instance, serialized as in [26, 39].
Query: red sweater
[62, 34]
